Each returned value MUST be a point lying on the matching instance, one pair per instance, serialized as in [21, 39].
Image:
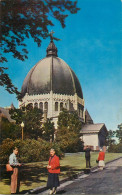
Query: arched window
[35, 105]
[80, 110]
[71, 106]
[46, 106]
[61, 106]
[56, 106]
[41, 106]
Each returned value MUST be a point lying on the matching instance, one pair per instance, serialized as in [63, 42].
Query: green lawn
[35, 174]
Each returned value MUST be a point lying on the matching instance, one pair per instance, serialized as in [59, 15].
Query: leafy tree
[69, 120]
[68, 133]
[110, 138]
[119, 133]
[32, 121]
[69, 141]
[48, 130]
[21, 19]
[6, 82]
[115, 148]
[9, 130]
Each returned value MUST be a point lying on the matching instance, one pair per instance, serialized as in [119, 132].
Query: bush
[5, 150]
[115, 148]
[30, 150]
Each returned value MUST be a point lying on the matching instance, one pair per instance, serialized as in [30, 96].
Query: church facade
[51, 85]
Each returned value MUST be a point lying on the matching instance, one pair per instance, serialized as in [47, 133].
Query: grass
[35, 174]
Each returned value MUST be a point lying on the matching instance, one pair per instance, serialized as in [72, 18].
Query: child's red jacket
[101, 156]
[55, 165]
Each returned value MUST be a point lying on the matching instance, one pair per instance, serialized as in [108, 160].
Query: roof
[51, 74]
[88, 119]
[5, 113]
[92, 128]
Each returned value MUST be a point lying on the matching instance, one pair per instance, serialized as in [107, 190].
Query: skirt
[101, 163]
[53, 180]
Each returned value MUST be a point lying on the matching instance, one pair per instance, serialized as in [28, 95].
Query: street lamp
[22, 125]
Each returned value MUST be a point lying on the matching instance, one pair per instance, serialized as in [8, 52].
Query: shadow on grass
[30, 174]
[27, 174]
[70, 172]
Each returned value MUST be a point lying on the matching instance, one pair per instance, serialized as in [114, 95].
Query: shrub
[30, 150]
[5, 150]
[115, 148]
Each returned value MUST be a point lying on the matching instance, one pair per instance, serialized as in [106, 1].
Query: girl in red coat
[54, 170]
[101, 158]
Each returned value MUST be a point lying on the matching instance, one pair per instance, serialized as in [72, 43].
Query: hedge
[30, 150]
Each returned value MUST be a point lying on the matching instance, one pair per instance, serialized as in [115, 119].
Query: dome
[51, 73]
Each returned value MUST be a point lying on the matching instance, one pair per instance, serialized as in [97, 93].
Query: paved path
[108, 181]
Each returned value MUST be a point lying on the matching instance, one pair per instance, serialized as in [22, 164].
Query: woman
[101, 158]
[54, 170]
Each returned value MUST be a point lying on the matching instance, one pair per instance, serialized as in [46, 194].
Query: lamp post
[22, 125]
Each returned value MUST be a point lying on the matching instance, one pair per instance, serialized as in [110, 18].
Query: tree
[32, 120]
[110, 138]
[9, 130]
[119, 133]
[48, 130]
[69, 120]
[7, 83]
[21, 19]
[115, 147]
[68, 133]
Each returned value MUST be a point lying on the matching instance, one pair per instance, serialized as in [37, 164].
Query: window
[35, 105]
[56, 106]
[46, 106]
[41, 106]
[80, 110]
[61, 106]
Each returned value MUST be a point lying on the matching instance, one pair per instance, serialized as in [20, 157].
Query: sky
[91, 45]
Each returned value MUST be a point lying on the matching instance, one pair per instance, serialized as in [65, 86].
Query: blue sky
[91, 45]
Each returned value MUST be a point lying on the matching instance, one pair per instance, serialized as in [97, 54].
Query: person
[13, 161]
[101, 158]
[53, 172]
[87, 156]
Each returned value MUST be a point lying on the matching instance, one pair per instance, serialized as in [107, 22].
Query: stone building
[51, 85]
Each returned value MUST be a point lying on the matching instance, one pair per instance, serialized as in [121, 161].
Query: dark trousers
[88, 165]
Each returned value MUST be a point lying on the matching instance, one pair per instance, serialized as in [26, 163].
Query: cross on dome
[51, 35]
[52, 49]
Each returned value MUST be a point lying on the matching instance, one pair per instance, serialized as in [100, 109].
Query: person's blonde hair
[52, 149]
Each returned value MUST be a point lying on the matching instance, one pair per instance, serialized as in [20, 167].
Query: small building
[94, 135]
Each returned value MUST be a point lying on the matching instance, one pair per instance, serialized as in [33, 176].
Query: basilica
[52, 85]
